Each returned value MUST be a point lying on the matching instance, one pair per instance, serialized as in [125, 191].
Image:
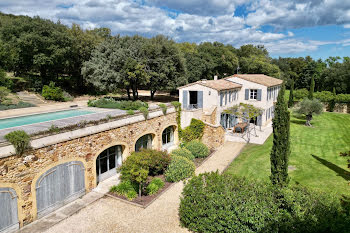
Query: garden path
[111, 215]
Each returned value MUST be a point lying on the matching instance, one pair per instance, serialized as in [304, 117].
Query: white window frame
[253, 94]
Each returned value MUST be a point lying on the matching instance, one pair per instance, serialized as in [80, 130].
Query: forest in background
[38, 51]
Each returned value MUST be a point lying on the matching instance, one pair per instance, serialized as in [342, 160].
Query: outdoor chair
[238, 129]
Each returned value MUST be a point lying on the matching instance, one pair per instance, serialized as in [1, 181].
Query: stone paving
[111, 215]
[259, 138]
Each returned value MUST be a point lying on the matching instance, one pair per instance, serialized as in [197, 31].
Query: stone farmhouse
[62, 167]
[207, 99]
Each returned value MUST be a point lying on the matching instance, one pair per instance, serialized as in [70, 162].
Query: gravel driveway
[111, 215]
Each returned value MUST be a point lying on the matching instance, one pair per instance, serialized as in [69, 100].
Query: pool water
[32, 119]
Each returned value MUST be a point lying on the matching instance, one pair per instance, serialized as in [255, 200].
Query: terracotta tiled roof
[259, 78]
[218, 85]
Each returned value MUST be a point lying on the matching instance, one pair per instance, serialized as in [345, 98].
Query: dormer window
[253, 94]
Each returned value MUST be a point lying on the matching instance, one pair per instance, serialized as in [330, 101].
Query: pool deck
[43, 126]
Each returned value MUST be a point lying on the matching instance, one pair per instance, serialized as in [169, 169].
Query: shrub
[20, 140]
[225, 203]
[67, 96]
[154, 186]
[197, 148]
[124, 187]
[194, 131]
[301, 94]
[164, 108]
[111, 103]
[131, 195]
[180, 168]
[215, 203]
[54, 129]
[324, 96]
[3, 94]
[144, 112]
[4, 80]
[155, 162]
[130, 112]
[51, 92]
[183, 152]
[342, 98]
[14, 106]
[176, 104]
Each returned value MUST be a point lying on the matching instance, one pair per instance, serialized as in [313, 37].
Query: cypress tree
[281, 144]
[291, 95]
[312, 88]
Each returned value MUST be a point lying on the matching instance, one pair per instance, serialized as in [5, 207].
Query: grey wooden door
[8, 210]
[59, 186]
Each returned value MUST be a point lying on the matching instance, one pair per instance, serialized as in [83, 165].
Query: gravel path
[111, 215]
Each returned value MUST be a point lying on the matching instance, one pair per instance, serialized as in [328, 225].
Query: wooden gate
[59, 186]
[8, 210]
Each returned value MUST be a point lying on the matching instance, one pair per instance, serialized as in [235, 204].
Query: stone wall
[214, 136]
[339, 107]
[21, 173]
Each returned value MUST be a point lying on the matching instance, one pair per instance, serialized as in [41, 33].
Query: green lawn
[328, 171]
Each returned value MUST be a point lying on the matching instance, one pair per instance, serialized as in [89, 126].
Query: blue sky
[319, 28]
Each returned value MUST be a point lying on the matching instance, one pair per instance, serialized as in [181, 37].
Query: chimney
[215, 77]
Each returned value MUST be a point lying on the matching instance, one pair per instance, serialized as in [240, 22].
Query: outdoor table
[240, 125]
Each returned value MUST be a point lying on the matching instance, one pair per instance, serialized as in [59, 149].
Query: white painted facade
[212, 99]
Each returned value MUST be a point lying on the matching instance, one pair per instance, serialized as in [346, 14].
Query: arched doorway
[8, 210]
[144, 142]
[59, 185]
[108, 162]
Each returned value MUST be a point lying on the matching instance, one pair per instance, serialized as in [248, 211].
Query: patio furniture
[240, 127]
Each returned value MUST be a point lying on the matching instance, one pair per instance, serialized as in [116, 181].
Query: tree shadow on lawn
[298, 122]
[340, 171]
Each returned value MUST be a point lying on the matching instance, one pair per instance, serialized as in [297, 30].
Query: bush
[4, 80]
[324, 96]
[180, 168]
[154, 186]
[14, 106]
[145, 112]
[197, 148]
[20, 140]
[3, 94]
[51, 92]
[111, 103]
[301, 94]
[225, 203]
[164, 108]
[130, 112]
[215, 203]
[342, 98]
[124, 187]
[155, 162]
[194, 131]
[183, 152]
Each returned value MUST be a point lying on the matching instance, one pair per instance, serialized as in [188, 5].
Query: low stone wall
[339, 107]
[214, 136]
[21, 173]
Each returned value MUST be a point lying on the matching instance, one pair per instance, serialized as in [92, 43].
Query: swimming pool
[37, 118]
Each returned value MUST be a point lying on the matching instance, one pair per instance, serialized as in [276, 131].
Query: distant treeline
[84, 61]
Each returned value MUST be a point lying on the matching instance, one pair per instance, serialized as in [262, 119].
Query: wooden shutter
[200, 99]
[259, 95]
[184, 99]
[246, 94]
[221, 98]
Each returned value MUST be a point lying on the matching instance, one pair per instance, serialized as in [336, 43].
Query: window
[168, 135]
[144, 142]
[253, 94]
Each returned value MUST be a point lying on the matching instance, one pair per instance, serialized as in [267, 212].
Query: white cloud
[199, 21]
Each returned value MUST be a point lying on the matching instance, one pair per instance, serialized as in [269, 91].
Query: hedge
[197, 148]
[180, 168]
[182, 152]
[194, 131]
[224, 203]
[122, 104]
